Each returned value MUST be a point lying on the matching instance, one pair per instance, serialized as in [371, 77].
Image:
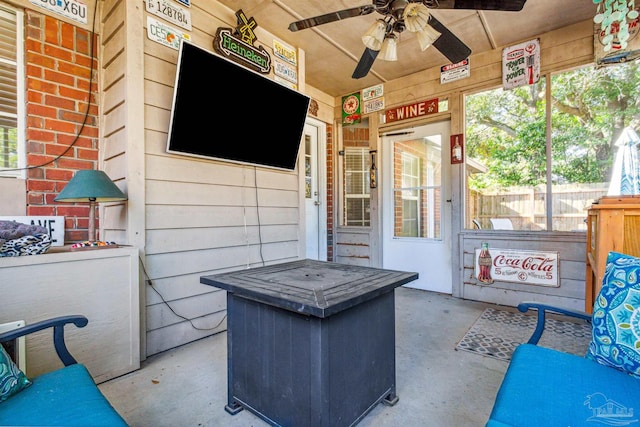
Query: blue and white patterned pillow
[616, 316]
[12, 379]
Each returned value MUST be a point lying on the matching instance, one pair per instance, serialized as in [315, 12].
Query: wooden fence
[526, 207]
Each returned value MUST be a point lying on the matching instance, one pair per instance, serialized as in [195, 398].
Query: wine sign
[519, 266]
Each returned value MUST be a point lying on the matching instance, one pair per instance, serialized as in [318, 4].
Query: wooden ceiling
[333, 50]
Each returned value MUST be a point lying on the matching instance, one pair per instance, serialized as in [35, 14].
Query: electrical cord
[86, 113]
[148, 279]
[255, 186]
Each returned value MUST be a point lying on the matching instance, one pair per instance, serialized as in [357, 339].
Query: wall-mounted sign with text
[372, 92]
[285, 70]
[171, 12]
[610, 48]
[351, 109]
[72, 9]
[238, 45]
[519, 266]
[372, 105]
[411, 111]
[521, 64]
[164, 34]
[53, 224]
[285, 52]
[453, 72]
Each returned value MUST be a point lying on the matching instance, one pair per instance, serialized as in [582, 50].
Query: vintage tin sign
[171, 12]
[520, 266]
[411, 111]
[618, 51]
[285, 71]
[71, 9]
[285, 52]
[351, 109]
[521, 64]
[284, 82]
[453, 72]
[372, 105]
[372, 92]
[164, 34]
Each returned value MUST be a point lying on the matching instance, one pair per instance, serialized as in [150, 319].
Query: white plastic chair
[501, 224]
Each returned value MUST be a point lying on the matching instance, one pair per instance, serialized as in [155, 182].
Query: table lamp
[91, 186]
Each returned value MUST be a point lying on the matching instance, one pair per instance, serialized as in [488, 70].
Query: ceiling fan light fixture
[427, 36]
[416, 17]
[389, 50]
[374, 36]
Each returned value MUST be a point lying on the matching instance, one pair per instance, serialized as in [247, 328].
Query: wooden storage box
[613, 224]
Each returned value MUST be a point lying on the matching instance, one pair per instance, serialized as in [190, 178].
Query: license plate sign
[171, 12]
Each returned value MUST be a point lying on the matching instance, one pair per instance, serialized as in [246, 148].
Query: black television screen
[224, 111]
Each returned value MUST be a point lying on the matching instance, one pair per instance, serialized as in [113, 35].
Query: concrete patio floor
[436, 385]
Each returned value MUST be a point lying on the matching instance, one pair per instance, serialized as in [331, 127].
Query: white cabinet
[103, 285]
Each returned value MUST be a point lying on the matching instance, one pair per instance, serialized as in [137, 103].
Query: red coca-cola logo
[532, 263]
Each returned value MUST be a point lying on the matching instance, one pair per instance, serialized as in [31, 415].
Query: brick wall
[60, 137]
[330, 199]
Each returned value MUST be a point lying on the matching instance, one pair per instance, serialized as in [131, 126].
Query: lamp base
[88, 246]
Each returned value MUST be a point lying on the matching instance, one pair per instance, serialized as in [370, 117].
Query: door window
[417, 188]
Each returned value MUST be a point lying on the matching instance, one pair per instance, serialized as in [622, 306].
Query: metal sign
[171, 12]
[284, 82]
[285, 70]
[372, 92]
[71, 9]
[520, 266]
[373, 105]
[521, 64]
[351, 109]
[164, 34]
[411, 111]
[285, 52]
[453, 72]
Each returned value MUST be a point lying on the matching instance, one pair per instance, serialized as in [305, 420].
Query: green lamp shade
[90, 185]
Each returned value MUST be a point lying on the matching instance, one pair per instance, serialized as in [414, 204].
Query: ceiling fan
[412, 15]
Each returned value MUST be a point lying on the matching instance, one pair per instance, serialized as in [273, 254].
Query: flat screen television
[222, 110]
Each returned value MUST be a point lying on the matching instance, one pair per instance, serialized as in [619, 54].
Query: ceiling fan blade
[331, 17]
[448, 44]
[504, 5]
[364, 65]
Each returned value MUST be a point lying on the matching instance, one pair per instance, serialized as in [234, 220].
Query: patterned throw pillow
[12, 379]
[616, 316]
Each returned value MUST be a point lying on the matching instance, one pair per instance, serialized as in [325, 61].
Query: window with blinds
[356, 191]
[11, 93]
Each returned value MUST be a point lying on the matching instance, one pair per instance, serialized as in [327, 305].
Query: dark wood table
[310, 343]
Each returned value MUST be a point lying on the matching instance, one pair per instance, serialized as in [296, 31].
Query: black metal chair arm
[542, 310]
[57, 323]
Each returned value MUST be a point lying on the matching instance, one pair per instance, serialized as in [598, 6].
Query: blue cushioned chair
[545, 387]
[64, 397]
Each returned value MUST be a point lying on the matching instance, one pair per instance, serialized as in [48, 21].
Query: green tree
[506, 129]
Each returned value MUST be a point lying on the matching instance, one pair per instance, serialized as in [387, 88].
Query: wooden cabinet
[103, 285]
[613, 224]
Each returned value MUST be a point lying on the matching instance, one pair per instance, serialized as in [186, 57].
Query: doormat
[496, 333]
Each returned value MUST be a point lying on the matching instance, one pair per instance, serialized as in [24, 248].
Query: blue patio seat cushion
[12, 379]
[64, 397]
[546, 387]
[616, 316]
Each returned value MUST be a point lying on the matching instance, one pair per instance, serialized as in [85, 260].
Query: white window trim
[20, 98]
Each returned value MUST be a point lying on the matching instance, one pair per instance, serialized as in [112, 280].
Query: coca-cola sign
[519, 266]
